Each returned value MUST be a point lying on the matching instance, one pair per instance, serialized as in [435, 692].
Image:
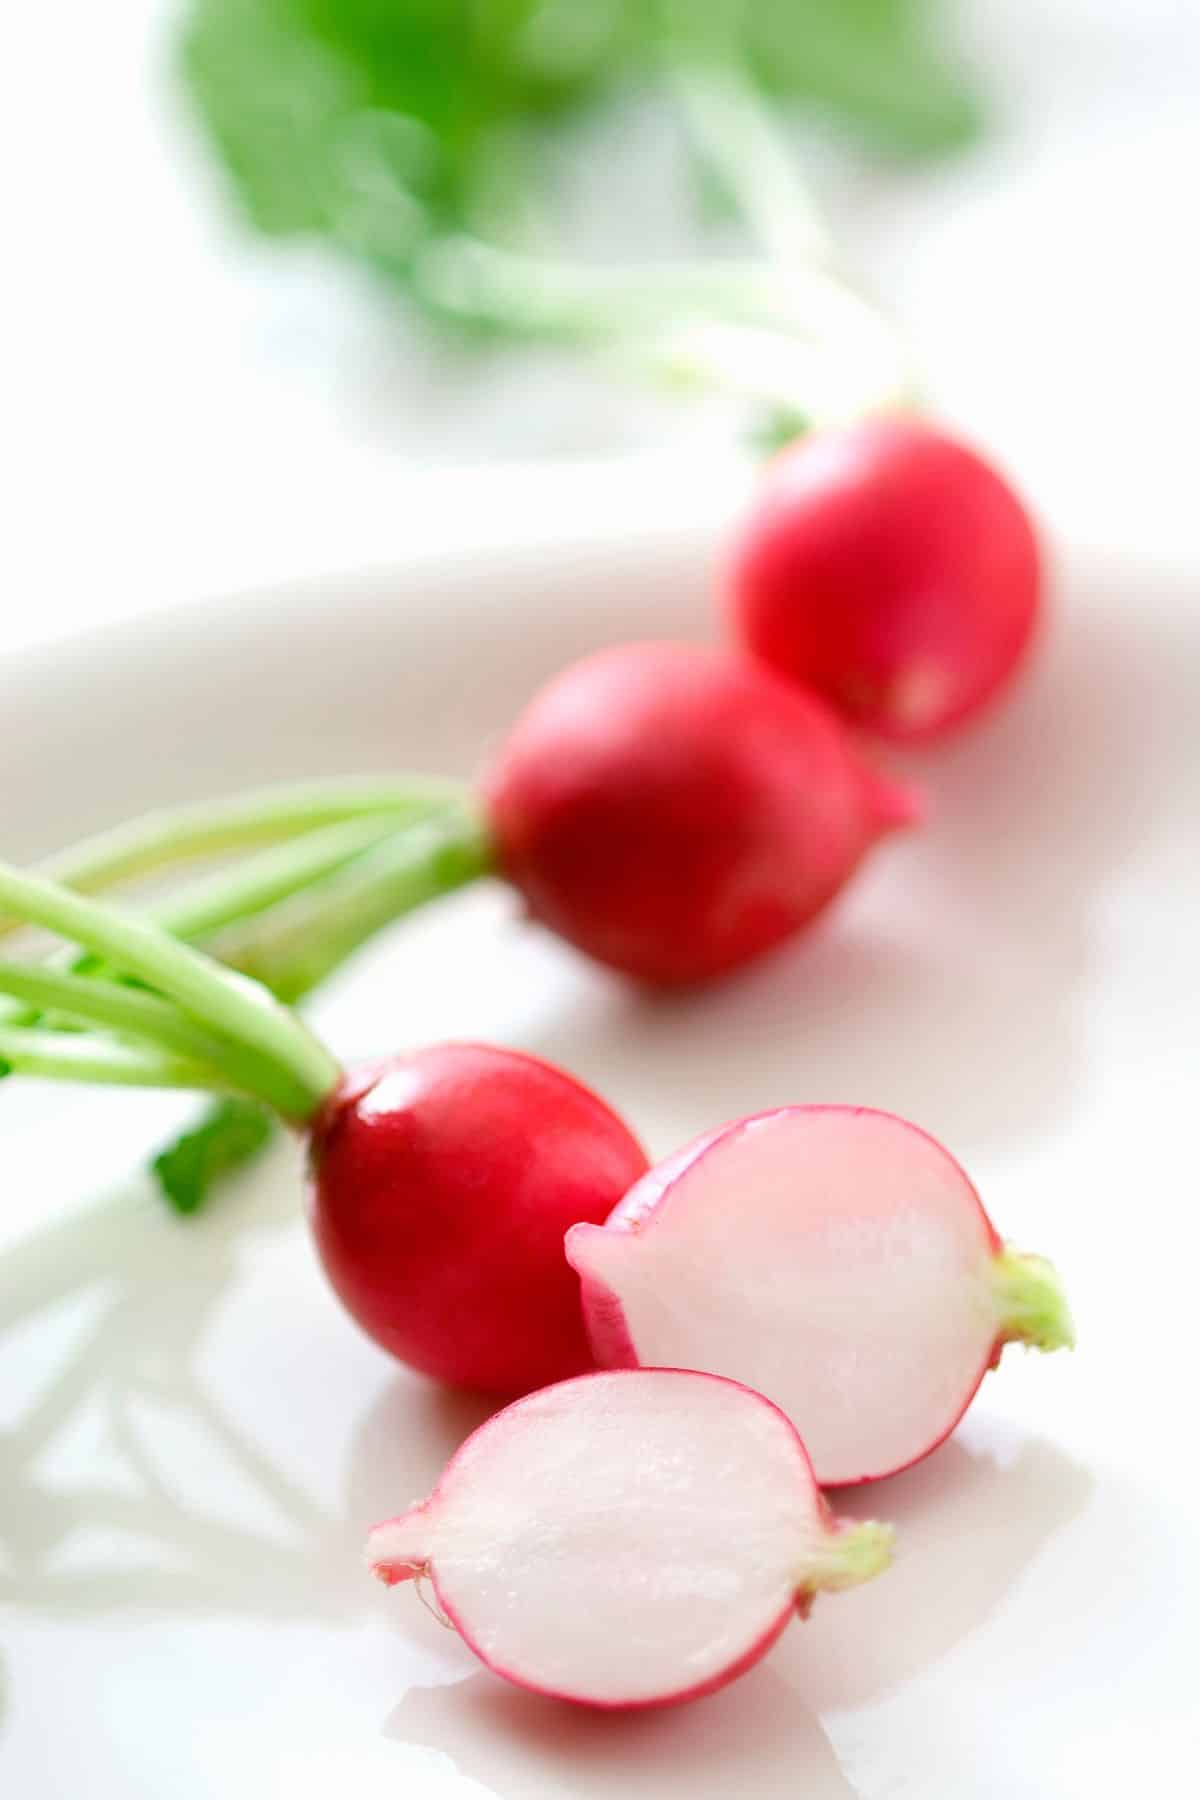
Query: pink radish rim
[698, 1690]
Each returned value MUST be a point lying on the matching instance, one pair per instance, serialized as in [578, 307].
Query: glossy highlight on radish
[892, 568]
[834, 1258]
[443, 1181]
[628, 1539]
[675, 811]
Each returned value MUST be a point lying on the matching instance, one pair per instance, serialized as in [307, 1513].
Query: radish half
[834, 1258]
[631, 1538]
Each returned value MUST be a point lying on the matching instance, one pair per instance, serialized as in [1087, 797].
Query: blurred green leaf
[378, 124]
[873, 64]
[326, 111]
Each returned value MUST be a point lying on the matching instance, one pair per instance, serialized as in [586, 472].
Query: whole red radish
[675, 811]
[629, 1539]
[835, 1258]
[892, 568]
[443, 1179]
[443, 1182]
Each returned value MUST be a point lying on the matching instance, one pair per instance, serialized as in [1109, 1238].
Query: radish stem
[1029, 1298]
[226, 1002]
[312, 902]
[154, 1022]
[292, 950]
[76, 1056]
[737, 135]
[791, 337]
[479, 282]
[855, 1552]
[228, 897]
[261, 817]
[787, 334]
[273, 875]
[119, 1008]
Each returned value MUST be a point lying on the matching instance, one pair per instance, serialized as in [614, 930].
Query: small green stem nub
[1030, 1304]
[850, 1553]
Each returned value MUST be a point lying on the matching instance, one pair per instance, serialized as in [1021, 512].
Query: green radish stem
[261, 817]
[787, 334]
[145, 1017]
[739, 139]
[115, 1006]
[76, 1056]
[858, 1550]
[305, 906]
[789, 338]
[227, 1003]
[579, 302]
[293, 949]
[1030, 1302]
[231, 895]
[273, 875]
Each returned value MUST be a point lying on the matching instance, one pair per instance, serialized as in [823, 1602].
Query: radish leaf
[380, 125]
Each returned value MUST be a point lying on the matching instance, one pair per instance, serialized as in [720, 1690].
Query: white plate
[194, 1438]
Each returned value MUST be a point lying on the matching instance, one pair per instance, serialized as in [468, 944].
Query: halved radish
[631, 1538]
[836, 1259]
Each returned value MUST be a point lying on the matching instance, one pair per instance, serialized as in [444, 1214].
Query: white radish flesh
[630, 1538]
[834, 1258]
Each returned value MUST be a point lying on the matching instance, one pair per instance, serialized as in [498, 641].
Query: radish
[892, 568]
[675, 812]
[628, 1539]
[670, 809]
[443, 1182]
[835, 1258]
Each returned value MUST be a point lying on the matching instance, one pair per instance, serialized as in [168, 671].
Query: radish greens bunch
[414, 138]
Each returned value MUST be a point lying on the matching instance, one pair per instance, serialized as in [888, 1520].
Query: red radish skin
[628, 1539]
[894, 569]
[675, 812]
[838, 1260]
[443, 1182]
